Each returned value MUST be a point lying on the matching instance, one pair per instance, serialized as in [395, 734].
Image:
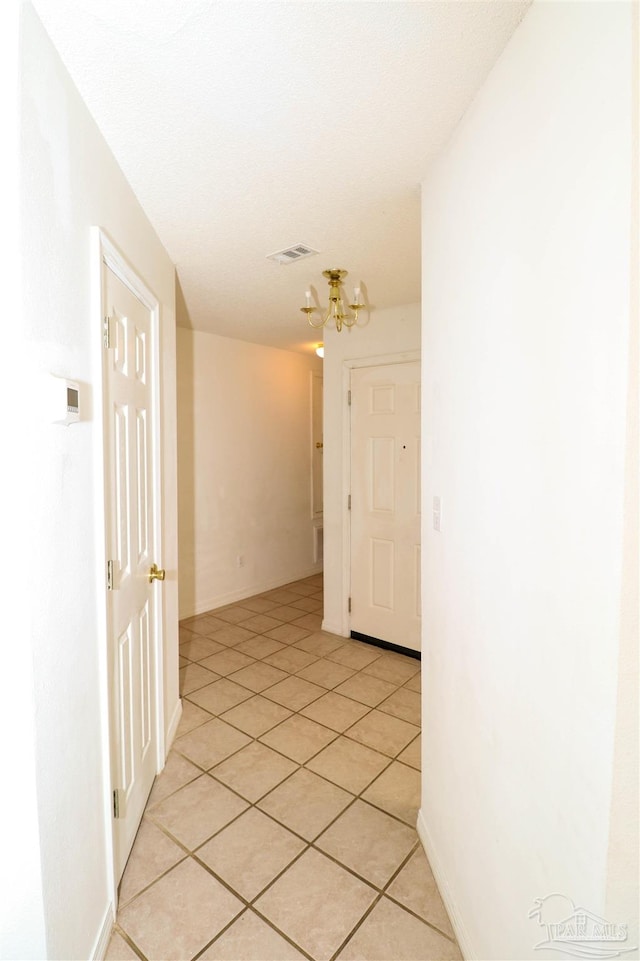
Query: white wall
[244, 440]
[391, 331]
[70, 182]
[22, 932]
[528, 421]
[623, 895]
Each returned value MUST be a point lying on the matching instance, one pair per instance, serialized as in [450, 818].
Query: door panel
[381, 574]
[382, 474]
[128, 406]
[385, 503]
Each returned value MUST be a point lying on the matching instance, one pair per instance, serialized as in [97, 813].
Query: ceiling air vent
[297, 252]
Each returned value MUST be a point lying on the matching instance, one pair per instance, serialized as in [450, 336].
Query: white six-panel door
[385, 503]
[130, 534]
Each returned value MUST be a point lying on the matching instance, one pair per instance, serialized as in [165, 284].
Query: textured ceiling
[247, 127]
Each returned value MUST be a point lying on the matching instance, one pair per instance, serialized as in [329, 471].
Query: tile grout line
[357, 926]
[192, 852]
[129, 940]
[309, 843]
[249, 904]
[263, 693]
[249, 909]
[302, 764]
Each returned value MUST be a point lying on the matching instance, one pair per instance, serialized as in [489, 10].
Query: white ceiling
[246, 127]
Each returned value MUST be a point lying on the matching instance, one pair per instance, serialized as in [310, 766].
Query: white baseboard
[462, 936]
[173, 725]
[221, 600]
[104, 935]
[336, 629]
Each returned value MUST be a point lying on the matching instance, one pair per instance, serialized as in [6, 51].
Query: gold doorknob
[156, 574]
[319, 444]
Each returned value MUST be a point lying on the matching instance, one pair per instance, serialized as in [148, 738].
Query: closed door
[129, 372]
[385, 503]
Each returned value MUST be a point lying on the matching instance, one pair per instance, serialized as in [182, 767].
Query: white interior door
[385, 503]
[129, 388]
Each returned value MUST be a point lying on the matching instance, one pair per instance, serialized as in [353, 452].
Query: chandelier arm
[350, 320]
[319, 325]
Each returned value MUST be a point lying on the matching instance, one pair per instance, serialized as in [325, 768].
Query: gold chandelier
[343, 315]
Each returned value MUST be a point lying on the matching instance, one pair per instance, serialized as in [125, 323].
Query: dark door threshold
[357, 636]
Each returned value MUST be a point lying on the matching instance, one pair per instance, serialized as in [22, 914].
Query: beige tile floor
[283, 825]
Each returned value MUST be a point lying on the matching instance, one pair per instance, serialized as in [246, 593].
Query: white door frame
[104, 251]
[314, 377]
[381, 360]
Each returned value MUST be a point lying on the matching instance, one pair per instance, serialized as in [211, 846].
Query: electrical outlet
[240, 560]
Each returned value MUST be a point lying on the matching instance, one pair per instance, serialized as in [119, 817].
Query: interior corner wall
[390, 332]
[70, 182]
[526, 433]
[22, 923]
[244, 436]
[623, 875]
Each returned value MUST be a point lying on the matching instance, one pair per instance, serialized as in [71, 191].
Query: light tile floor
[283, 825]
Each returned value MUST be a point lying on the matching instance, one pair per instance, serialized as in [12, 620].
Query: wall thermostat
[65, 401]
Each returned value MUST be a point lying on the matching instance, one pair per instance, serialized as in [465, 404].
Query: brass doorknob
[156, 574]
[319, 444]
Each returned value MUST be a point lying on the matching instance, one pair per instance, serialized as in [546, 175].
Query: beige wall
[530, 437]
[70, 182]
[392, 332]
[244, 468]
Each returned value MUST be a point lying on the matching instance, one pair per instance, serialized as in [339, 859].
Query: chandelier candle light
[341, 315]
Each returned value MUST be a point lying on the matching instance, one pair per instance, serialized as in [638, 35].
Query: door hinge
[109, 575]
[107, 332]
[349, 606]
[118, 803]
[349, 502]
[349, 398]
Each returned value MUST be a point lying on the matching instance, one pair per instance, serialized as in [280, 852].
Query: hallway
[283, 825]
